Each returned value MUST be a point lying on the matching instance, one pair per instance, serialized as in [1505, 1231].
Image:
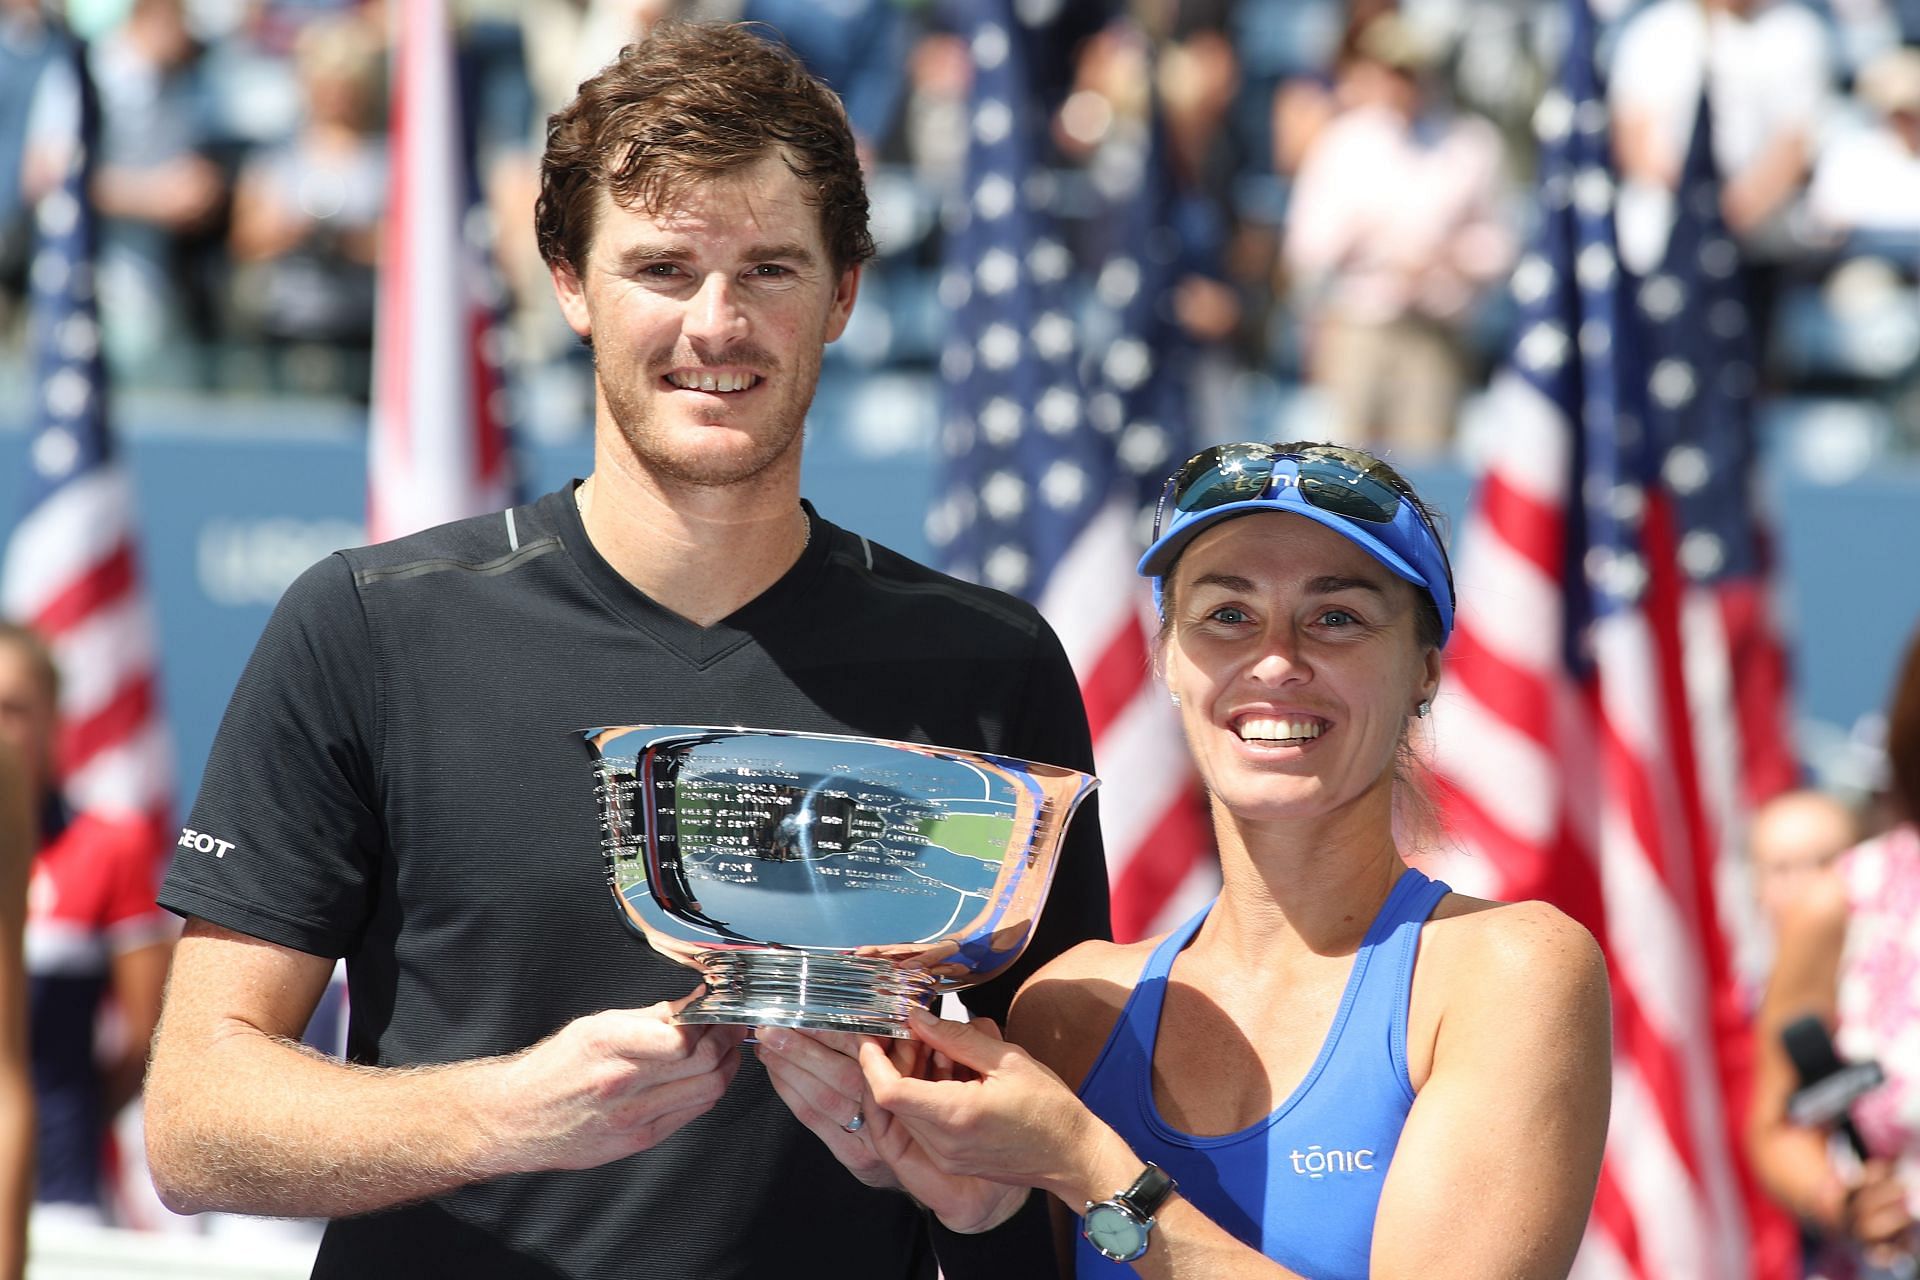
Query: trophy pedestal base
[821, 991]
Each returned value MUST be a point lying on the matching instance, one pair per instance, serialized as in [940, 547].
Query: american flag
[1701, 387]
[1046, 459]
[1701, 375]
[438, 441]
[1611, 571]
[72, 565]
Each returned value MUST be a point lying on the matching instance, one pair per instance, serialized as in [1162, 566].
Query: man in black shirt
[401, 779]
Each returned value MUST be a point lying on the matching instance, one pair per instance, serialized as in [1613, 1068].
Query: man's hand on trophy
[609, 1084]
[817, 1074]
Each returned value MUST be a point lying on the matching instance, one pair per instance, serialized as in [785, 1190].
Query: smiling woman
[1310, 1076]
[1292, 652]
[1372, 528]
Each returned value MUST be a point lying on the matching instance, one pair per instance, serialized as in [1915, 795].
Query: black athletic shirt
[400, 780]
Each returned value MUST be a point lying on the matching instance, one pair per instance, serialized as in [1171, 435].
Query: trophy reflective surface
[823, 881]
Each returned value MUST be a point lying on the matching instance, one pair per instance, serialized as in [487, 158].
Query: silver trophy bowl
[824, 881]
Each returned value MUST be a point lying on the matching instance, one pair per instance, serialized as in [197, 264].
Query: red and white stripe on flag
[72, 575]
[1608, 794]
[437, 445]
[1153, 817]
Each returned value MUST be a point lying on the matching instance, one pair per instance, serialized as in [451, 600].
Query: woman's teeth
[1265, 729]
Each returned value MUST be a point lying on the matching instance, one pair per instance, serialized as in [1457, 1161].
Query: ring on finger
[858, 1122]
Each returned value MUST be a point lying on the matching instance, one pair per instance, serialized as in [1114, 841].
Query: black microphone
[1828, 1087]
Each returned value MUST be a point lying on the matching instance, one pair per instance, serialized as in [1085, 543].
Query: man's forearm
[267, 1126]
[251, 1122]
[16, 1171]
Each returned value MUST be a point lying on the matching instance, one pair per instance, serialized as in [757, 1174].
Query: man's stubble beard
[648, 445]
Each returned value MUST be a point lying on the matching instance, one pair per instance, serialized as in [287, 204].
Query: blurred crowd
[1353, 176]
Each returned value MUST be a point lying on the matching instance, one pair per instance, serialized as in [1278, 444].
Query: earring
[1174, 698]
[1423, 709]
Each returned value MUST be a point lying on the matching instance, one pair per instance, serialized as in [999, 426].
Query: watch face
[1114, 1233]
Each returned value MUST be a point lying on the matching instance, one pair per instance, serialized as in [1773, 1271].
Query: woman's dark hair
[690, 103]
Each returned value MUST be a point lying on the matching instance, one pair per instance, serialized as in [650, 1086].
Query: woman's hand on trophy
[820, 1076]
[998, 1114]
[609, 1084]
[964, 1203]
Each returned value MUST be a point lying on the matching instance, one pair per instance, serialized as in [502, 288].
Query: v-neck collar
[1389, 917]
[699, 646]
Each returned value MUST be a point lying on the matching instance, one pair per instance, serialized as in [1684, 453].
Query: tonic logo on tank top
[1317, 1163]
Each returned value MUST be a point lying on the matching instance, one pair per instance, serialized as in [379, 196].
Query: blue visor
[1339, 488]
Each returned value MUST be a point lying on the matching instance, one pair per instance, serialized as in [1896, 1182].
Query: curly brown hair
[693, 102]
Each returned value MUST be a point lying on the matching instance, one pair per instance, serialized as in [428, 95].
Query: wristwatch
[1118, 1228]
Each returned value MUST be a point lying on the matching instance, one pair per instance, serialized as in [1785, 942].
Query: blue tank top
[1302, 1185]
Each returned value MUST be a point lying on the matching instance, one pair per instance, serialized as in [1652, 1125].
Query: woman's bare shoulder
[1065, 1011]
[1503, 977]
[1095, 961]
[1488, 950]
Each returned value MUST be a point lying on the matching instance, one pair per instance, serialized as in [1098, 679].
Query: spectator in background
[29, 39]
[1305, 104]
[934, 125]
[1793, 843]
[1394, 233]
[16, 1075]
[1197, 74]
[156, 187]
[306, 214]
[1849, 953]
[1867, 178]
[93, 934]
[1766, 69]
[1865, 196]
[1169, 66]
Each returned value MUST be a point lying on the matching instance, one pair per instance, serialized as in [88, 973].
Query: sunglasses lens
[1337, 487]
[1347, 486]
[1223, 474]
